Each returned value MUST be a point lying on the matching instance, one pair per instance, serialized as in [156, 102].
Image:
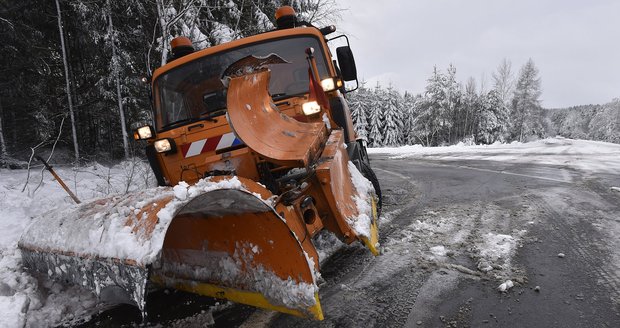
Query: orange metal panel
[261, 126]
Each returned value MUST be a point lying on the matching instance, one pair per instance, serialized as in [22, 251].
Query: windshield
[195, 89]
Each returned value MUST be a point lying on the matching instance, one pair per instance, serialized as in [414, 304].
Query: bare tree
[68, 85]
[115, 71]
[503, 81]
[167, 18]
[321, 12]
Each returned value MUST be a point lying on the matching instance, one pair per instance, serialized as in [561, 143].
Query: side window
[290, 79]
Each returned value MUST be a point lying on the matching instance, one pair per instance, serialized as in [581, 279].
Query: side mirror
[347, 63]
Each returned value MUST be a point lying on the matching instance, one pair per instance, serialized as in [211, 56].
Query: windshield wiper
[210, 114]
[181, 122]
[278, 96]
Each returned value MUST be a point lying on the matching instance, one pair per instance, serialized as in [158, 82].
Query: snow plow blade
[220, 237]
[230, 244]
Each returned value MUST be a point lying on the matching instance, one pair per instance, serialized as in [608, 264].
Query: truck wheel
[369, 174]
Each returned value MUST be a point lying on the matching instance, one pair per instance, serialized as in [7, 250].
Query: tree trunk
[115, 68]
[3, 151]
[164, 31]
[69, 97]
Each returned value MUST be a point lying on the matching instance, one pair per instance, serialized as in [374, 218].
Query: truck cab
[191, 137]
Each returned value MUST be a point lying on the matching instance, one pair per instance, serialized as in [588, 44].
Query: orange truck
[255, 153]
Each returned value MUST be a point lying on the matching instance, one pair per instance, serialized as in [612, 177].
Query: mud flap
[230, 244]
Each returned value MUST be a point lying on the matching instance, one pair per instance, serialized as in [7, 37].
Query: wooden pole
[62, 183]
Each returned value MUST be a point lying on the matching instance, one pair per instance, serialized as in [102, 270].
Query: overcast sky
[575, 44]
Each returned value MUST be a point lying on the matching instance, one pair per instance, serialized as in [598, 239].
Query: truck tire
[369, 174]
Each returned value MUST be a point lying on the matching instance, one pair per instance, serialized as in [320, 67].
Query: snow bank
[586, 155]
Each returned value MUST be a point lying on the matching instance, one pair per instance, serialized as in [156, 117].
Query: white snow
[180, 190]
[497, 246]
[361, 223]
[326, 121]
[585, 155]
[505, 286]
[439, 250]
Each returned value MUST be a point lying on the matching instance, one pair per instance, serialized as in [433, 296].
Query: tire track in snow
[588, 252]
[502, 172]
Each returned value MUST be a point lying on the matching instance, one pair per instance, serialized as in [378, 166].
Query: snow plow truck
[254, 151]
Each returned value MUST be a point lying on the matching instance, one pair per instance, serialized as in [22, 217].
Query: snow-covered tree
[432, 117]
[605, 124]
[359, 102]
[393, 116]
[526, 111]
[450, 107]
[115, 63]
[376, 117]
[409, 112]
[492, 122]
[469, 110]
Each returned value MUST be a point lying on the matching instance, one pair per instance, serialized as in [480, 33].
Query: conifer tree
[526, 110]
[393, 110]
[409, 111]
[359, 105]
[376, 118]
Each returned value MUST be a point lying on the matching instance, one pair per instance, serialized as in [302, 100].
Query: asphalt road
[451, 233]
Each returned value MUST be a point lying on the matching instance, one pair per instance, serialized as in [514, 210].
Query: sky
[574, 44]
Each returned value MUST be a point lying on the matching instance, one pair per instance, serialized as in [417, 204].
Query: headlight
[328, 84]
[311, 107]
[331, 84]
[145, 132]
[165, 146]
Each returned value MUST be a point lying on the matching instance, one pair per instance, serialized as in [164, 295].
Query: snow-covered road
[458, 222]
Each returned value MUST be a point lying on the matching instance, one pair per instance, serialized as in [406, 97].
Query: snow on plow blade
[219, 237]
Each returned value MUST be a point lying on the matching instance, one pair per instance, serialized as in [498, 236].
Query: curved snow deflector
[230, 244]
[219, 237]
[256, 120]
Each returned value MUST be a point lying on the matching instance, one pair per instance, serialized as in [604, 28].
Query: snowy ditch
[101, 231]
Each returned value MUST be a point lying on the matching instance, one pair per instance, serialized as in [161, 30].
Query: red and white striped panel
[210, 144]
